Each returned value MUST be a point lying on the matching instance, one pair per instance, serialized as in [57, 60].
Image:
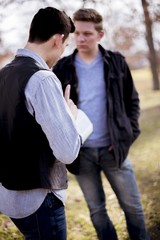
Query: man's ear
[57, 40]
[101, 34]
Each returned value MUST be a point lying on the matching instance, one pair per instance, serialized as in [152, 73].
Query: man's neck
[88, 57]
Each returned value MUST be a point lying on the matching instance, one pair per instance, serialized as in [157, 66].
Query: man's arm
[131, 101]
[46, 102]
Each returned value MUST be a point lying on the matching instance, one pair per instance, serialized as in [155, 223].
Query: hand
[70, 103]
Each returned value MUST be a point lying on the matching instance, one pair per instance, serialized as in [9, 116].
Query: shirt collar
[29, 53]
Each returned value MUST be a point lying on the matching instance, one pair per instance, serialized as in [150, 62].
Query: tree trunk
[152, 53]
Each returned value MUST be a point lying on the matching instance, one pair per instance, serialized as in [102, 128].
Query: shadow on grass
[155, 232]
[150, 195]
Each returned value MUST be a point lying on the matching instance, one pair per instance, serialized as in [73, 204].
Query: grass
[143, 82]
[145, 158]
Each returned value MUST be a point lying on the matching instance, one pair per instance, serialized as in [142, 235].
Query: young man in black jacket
[102, 86]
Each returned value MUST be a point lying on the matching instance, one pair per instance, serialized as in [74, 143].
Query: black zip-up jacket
[123, 100]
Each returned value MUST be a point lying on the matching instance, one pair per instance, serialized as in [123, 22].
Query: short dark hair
[89, 15]
[47, 22]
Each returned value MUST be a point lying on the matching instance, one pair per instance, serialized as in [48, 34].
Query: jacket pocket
[124, 137]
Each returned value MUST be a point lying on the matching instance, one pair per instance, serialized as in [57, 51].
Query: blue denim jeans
[47, 223]
[123, 183]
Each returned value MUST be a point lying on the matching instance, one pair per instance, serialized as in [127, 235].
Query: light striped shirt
[44, 99]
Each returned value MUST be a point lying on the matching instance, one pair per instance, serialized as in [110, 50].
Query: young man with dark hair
[102, 86]
[39, 131]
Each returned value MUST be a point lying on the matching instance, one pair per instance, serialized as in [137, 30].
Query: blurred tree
[149, 38]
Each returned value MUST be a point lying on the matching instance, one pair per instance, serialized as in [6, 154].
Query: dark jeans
[123, 183]
[47, 223]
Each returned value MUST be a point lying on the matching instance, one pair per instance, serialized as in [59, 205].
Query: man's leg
[124, 185]
[90, 182]
[47, 223]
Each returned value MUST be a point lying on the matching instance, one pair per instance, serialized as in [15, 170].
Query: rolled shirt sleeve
[45, 101]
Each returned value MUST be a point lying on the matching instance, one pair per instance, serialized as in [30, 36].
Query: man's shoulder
[116, 59]
[66, 60]
[115, 54]
[110, 53]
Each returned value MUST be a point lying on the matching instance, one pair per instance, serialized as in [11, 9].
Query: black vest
[26, 158]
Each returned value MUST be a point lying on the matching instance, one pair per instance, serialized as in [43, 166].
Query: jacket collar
[104, 53]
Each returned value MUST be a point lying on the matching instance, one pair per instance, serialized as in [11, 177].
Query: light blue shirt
[93, 99]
